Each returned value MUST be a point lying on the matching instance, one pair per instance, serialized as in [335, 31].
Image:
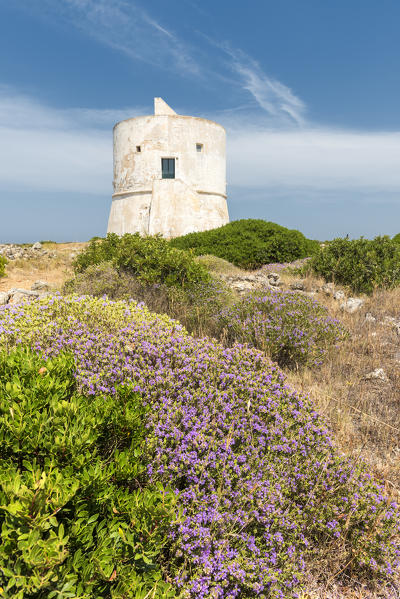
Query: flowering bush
[260, 490]
[292, 328]
[196, 306]
[296, 267]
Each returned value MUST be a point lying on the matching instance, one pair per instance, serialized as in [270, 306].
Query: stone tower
[169, 174]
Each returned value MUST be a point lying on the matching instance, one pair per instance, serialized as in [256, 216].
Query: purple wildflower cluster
[260, 487]
[281, 266]
[292, 328]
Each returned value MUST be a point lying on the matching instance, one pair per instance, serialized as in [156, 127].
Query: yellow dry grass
[23, 273]
[364, 415]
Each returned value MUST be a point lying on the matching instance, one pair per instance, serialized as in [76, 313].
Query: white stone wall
[194, 201]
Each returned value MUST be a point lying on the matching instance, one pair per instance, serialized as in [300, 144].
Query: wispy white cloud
[275, 98]
[20, 111]
[71, 150]
[312, 158]
[124, 26]
[48, 149]
[131, 30]
[57, 161]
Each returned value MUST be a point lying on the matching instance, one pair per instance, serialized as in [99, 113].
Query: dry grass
[364, 414]
[219, 266]
[23, 273]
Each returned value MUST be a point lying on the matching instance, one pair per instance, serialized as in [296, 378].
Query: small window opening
[138, 149]
[199, 147]
[168, 168]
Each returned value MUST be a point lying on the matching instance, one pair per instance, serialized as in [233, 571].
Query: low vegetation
[152, 260]
[212, 477]
[77, 513]
[362, 265]
[259, 488]
[3, 263]
[196, 306]
[293, 329]
[249, 243]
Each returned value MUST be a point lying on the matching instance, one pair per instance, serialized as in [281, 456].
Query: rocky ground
[31, 266]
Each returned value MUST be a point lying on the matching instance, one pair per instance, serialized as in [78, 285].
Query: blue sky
[309, 93]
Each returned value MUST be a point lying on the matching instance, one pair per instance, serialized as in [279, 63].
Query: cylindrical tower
[169, 174]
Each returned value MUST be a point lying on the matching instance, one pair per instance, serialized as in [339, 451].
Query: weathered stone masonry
[169, 174]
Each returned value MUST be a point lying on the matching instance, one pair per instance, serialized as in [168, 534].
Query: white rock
[378, 374]
[352, 305]
[369, 317]
[40, 286]
[327, 288]
[339, 295]
[242, 286]
[389, 321]
[4, 297]
[37, 246]
[23, 291]
[273, 279]
[21, 295]
[297, 286]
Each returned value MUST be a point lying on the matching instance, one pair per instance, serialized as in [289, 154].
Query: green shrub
[77, 516]
[360, 264]
[249, 243]
[218, 266]
[293, 329]
[150, 259]
[3, 263]
[396, 238]
[104, 279]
